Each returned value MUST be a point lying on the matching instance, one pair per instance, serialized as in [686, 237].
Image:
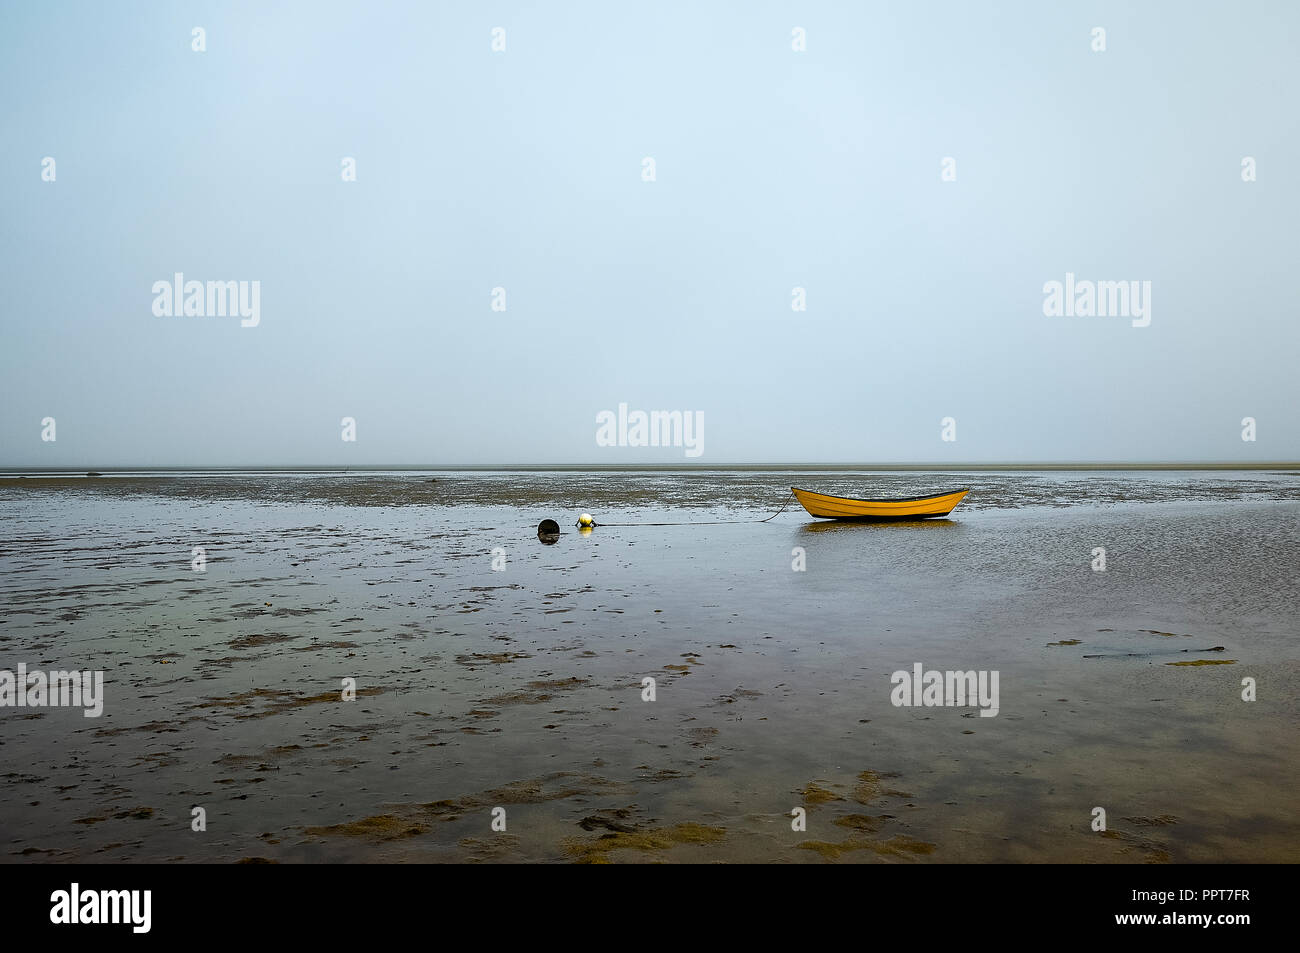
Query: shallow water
[522, 688]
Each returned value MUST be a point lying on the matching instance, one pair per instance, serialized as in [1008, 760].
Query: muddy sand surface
[521, 688]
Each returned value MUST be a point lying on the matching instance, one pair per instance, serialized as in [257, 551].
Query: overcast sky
[523, 169]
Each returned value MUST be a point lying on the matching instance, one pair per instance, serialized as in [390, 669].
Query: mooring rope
[705, 522]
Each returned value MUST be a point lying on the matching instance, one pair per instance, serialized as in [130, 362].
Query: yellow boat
[909, 508]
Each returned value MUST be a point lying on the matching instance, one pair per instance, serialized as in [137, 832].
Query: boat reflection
[842, 526]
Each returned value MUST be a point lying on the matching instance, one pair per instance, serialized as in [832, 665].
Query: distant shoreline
[650, 467]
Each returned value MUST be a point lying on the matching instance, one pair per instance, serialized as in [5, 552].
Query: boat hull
[843, 508]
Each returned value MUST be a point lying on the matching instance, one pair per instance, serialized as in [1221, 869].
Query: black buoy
[548, 531]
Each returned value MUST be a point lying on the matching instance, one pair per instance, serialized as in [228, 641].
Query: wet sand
[522, 688]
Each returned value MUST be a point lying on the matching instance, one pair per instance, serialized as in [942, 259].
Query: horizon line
[613, 467]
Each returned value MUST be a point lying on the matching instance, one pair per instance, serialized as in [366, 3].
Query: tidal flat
[495, 672]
